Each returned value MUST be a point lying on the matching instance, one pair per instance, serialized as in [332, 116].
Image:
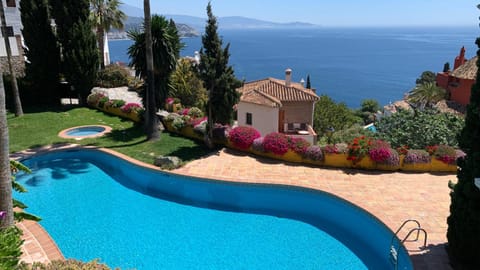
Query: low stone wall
[18, 65]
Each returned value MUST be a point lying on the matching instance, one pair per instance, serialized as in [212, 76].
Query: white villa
[14, 26]
[273, 105]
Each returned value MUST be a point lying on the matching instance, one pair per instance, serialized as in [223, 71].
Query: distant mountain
[237, 22]
[131, 11]
[135, 23]
[233, 22]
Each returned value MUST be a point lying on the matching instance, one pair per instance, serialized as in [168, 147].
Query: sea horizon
[347, 64]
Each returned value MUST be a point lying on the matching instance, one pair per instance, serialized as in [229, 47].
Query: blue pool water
[95, 205]
[85, 131]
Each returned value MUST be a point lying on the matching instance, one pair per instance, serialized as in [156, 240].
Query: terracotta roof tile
[273, 90]
[468, 70]
[257, 97]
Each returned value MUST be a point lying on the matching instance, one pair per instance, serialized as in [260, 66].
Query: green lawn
[36, 129]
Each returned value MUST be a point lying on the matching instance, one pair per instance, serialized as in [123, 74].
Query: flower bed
[361, 153]
[132, 111]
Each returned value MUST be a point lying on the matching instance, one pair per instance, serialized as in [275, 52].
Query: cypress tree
[464, 221]
[217, 75]
[309, 85]
[81, 60]
[43, 65]
[66, 14]
[78, 44]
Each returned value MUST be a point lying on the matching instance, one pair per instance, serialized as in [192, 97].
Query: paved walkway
[38, 246]
[391, 196]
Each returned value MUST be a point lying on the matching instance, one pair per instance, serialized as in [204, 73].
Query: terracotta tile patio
[391, 196]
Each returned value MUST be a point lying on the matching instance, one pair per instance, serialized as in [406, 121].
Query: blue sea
[347, 64]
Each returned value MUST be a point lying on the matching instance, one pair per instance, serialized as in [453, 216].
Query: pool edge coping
[63, 134]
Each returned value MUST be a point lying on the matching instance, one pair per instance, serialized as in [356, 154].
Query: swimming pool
[80, 132]
[96, 205]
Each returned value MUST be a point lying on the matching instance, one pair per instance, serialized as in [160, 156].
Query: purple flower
[3, 214]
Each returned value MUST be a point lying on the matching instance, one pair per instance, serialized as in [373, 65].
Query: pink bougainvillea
[379, 155]
[243, 137]
[277, 143]
[299, 145]
[197, 121]
[129, 107]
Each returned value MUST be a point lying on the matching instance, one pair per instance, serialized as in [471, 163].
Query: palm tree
[151, 118]
[6, 205]
[105, 14]
[426, 95]
[166, 45]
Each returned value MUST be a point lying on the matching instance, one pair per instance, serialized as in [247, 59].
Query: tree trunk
[101, 45]
[16, 93]
[5, 176]
[150, 110]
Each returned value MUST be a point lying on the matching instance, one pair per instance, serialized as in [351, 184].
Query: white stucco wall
[264, 119]
[12, 17]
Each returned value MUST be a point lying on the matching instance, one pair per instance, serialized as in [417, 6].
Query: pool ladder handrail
[418, 229]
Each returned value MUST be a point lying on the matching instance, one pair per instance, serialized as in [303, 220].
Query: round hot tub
[82, 132]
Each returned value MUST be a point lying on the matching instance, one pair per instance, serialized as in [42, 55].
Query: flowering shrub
[277, 143]
[201, 128]
[102, 101]
[431, 149]
[314, 152]
[342, 148]
[197, 121]
[114, 103]
[118, 103]
[184, 111]
[178, 123]
[108, 104]
[385, 156]
[93, 98]
[417, 157]
[459, 153]
[402, 150]
[172, 116]
[379, 155]
[243, 136]
[358, 148]
[195, 112]
[257, 144]
[446, 154]
[330, 149]
[131, 107]
[171, 100]
[393, 159]
[298, 145]
[112, 76]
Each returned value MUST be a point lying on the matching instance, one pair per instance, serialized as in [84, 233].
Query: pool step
[417, 229]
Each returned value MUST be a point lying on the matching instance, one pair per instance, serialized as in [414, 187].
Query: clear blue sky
[331, 12]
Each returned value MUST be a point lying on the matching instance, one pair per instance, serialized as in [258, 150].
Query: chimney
[460, 59]
[288, 77]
